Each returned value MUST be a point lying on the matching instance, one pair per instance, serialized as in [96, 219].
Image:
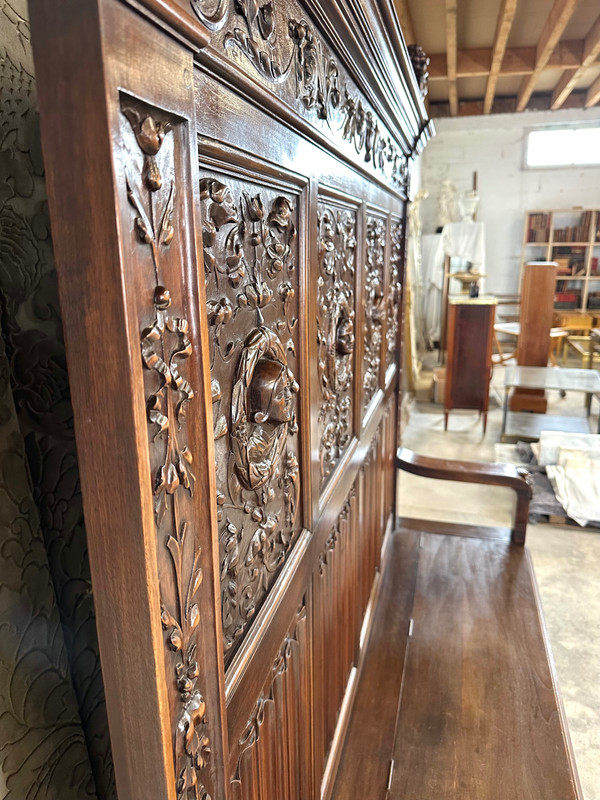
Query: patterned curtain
[54, 741]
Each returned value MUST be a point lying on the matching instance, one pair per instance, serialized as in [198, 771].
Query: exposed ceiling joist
[557, 21]
[503, 26]
[508, 105]
[592, 96]
[451, 54]
[476, 62]
[569, 79]
[406, 22]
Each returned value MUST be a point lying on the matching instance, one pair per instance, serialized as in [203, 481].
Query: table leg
[504, 413]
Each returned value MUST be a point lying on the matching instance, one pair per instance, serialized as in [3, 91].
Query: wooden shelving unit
[571, 238]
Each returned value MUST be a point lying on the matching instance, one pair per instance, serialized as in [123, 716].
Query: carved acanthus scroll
[335, 331]
[251, 285]
[165, 345]
[374, 305]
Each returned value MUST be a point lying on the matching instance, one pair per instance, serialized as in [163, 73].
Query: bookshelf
[571, 238]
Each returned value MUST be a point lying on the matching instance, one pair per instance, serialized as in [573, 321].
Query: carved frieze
[250, 259]
[274, 41]
[335, 331]
[393, 295]
[165, 346]
[374, 304]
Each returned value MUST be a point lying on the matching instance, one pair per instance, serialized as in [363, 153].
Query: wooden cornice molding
[569, 79]
[556, 23]
[503, 26]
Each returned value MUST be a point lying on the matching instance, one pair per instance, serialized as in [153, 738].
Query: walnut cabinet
[228, 186]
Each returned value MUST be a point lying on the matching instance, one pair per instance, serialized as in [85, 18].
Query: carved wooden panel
[251, 270]
[393, 293]
[272, 759]
[373, 304]
[337, 619]
[165, 345]
[335, 331]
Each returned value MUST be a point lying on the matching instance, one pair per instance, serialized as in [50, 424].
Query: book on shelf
[538, 228]
[575, 233]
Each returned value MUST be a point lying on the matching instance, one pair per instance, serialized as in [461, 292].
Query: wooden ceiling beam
[592, 96]
[451, 54]
[569, 78]
[503, 26]
[474, 62]
[507, 105]
[557, 21]
[406, 21]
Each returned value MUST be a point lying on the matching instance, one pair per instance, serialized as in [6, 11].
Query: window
[563, 147]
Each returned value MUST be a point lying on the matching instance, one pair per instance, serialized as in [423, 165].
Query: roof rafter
[592, 96]
[503, 26]
[568, 80]
[477, 61]
[451, 54]
[554, 26]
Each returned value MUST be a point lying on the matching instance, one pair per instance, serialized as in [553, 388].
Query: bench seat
[457, 688]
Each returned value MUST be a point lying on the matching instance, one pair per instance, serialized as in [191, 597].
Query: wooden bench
[457, 696]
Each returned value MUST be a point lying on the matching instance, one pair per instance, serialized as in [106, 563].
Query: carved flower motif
[256, 295]
[220, 311]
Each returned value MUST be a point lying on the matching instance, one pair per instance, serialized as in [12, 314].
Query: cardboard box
[439, 385]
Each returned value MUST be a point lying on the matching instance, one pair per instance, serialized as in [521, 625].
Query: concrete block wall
[494, 146]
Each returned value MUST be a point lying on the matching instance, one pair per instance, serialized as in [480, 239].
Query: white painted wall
[494, 147]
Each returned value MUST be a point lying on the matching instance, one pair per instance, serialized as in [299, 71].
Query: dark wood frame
[129, 91]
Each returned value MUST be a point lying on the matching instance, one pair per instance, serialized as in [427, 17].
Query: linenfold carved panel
[274, 749]
[393, 292]
[335, 331]
[251, 270]
[374, 304]
[165, 345]
[276, 43]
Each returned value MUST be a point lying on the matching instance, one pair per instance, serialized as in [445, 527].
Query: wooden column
[537, 302]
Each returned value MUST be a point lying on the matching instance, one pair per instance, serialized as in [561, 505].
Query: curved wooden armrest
[516, 478]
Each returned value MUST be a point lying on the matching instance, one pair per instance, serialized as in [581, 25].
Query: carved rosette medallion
[165, 346]
[393, 298]
[250, 258]
[374, 305]
[335, 331]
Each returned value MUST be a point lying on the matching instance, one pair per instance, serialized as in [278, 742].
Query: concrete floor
[566, 559]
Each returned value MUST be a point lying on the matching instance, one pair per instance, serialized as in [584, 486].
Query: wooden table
[563, 380]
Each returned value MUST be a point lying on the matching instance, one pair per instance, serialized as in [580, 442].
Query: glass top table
[563, 380]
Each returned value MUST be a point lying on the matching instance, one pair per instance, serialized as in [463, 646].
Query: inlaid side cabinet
[228, 186]
[469, 364]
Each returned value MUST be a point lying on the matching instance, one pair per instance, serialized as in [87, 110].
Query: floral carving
[251, 285]
[256, 40]
[317, 76]
[420, 62]
[165, 345]
[335, 331]
[374, 305]
[393, 293]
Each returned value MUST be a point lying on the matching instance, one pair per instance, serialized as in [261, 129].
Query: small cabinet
[469, 360]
